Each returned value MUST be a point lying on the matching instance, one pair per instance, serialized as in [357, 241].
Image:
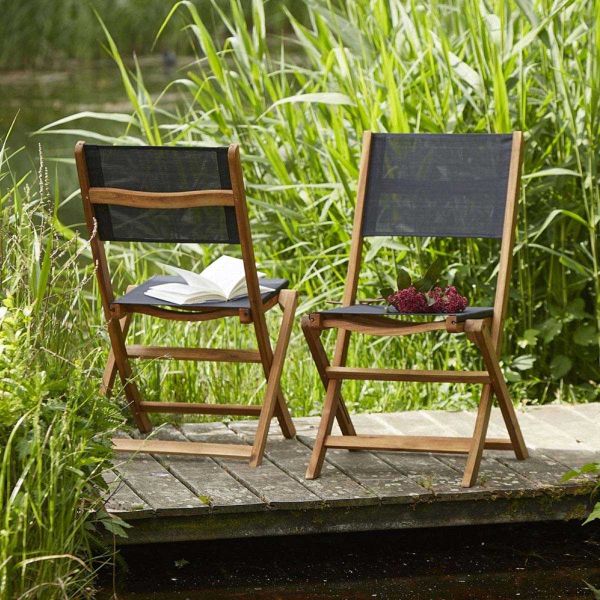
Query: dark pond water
[547, 561]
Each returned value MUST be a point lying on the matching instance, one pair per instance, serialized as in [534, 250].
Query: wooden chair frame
[118, 317]
[485, 333]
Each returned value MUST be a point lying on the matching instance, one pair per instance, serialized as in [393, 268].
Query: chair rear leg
[329, 411]
[476, 450]
[490, 360]
[284, 418]
[273, 399]
[110, 371]
[313, 339]
[131, 390]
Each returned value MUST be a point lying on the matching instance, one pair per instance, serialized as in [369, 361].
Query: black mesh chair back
[166, 170]
[445, 185]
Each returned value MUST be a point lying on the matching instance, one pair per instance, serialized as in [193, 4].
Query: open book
[224, 279]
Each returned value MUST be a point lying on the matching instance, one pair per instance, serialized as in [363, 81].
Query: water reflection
[533, 561]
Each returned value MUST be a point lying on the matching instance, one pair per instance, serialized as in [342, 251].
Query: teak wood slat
[485, 333]
[415, 443]
[183, 448]
[355, 373]
[199, 354]
[119, 316]
[373, 325]
[119, 197]
[201, 408]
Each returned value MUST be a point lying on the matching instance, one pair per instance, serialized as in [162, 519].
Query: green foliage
[50, 411]
[589, 469]
[298, 112]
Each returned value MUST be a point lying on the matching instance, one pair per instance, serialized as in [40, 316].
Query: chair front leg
[315, 345]
[273, 397]
[132, 392]
[490, 359]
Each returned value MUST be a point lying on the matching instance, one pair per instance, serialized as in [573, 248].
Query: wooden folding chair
[173, 194]
[425, 185]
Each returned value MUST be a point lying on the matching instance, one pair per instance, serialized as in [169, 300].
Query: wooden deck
[175, 498]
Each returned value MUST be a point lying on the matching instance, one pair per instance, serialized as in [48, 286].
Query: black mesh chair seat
[471, 312]
[138, 296]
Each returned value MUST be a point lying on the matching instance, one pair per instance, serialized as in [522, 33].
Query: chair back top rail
[161, 200]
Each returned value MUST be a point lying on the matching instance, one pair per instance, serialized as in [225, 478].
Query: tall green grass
[52, 420]
[299, 112]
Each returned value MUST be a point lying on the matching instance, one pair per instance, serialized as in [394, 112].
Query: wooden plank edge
[361, 518]
[409, 443]
[429, 376]
[197, 354]
[200, 408]
[181, 448]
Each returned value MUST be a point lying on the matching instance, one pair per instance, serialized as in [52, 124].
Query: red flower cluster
[436, 300]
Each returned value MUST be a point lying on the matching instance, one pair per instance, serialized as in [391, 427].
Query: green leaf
[585, 335]
[386, 291]
[529, 338]
[423, 284]
[550, 329]
[576, 309]
[114, 524]
[595, 514]
[404, 280]
[315, 98]
[524, 362]
[551, 172]
[560, 366]
[434, 271]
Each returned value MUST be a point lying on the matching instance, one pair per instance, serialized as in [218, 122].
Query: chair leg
[313, 339]
[284, 418]
[329, 411]
[484, 341]
[264, 347]
[289, 301]
[132, 393]
[481, 425]
[110, 371]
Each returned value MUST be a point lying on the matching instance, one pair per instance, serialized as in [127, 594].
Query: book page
[227, 273]
[198, 282]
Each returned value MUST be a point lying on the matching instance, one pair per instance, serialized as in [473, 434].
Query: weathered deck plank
[268, 482]
[333, 487]
[163, 492]
[207, 479]
[121, 500]
[185, 497]
[577, 426]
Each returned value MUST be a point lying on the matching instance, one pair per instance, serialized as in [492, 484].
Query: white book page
[180, 293]
[227, 273]
[198, 282]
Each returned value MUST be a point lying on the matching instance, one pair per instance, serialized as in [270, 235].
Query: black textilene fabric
[137, 295]
[447, 185]
[471, 312]
[162, 169]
